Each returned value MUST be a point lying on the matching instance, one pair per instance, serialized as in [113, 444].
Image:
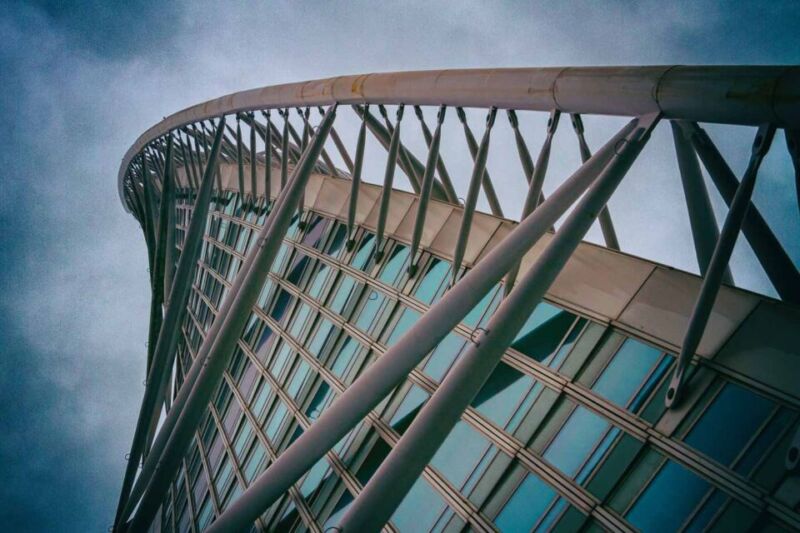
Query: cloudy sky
[81, 80]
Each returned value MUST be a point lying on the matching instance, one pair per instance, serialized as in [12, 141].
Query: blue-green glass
[362, 256]
[668, 500]
[296, 383]
[444, 355]
[275, 421]
[479, 315]
[543, 332]
[314, 477]
[251, 467]
[419, 509]
[406, 320]
[567, 345]
[299, 320]
[429, 286]
[394, 266]
[344, 358]
[460, 453]
[320, 336]
[525, 506]
[767, 437]
[626, 371]
[369, 310]
[577, 437]
[342, 294]
[736, 413]
[501, 394]
[408, 409]
[318, 282]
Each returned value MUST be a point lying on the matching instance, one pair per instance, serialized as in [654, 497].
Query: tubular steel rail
[197, 138]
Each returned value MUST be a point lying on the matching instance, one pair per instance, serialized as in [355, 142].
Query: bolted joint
[552, 122]
[461, 115]
[512, 119]
[490, 117]
[400, 109]
[440, 114]
[382, 111]
[577, 123]
[418, 112]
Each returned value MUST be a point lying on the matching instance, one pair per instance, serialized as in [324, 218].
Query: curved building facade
[328, 352]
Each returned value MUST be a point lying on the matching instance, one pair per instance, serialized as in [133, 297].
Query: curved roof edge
[745, 95]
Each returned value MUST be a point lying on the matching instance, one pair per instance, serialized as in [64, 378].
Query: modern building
[330, 353]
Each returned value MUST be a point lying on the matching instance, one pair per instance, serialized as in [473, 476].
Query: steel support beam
[606, 225]
[284, 147]
[389, 485]
[478, 169]
[355, 170]
[425, 192]
[488, 187]
[167, 339]
[532, 200]
[705, 232]
[388, 179]
[413, 171]
[253, 161]
[240, 159]
[340, 147]
[390, 369]
[716, 268]
[444, 176]
[223, 344]
[779, 267]
[267, 155]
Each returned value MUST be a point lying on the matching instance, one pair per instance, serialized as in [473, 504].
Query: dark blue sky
[81, 80]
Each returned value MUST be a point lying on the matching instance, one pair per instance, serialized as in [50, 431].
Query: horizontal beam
[748, 95]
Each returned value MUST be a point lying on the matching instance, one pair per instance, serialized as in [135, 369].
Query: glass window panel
[342, 294]
[668, 500]
[362, 256]
[318, 283]
[526, 505]
[575, 441]
[489, 302]
[502, 393]
[406, 320]
[369, 310]
[419, 509]
[736, 413]
[768, 436]
[626, 371]
[394, 266]
[444, 355]
[428, 288]
[459, 454]
[408, 409]
[543, 332]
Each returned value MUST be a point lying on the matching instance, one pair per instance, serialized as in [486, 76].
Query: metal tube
[488, 188]
[522, 147]
[444, 176]
[223, 344]
[705, 232]
[472, 195]
[606, 225]
[267, 156]
[716, 268]
[779, 267]
[253, 160]
[402, 467]
[176, 306]
[356, 173]
[149, 209]
[284, 147]
[240, 159]
[388, 178]
[340, 147]
[535, 188]
[425, 193]
[413, 170]
[386, 372]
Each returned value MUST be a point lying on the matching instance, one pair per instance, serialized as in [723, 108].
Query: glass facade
[568, 433]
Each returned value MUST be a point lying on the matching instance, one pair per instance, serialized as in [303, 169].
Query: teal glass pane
[362, 256]
[320, 336]
[543, 332]
[299, 377]
[275, 421]
[668, 500]
[597, 455]
[318, 282]
[502, 393]
[434, 277]
[768, 436]
[575, 440]
[344, 359]
[526, 505]
[567, 345]
[735, 413]
[314, 477]
[444, 355]
[406, 320]
[342, 294]
[419, 509]
[251, 467]
[459, 454]
[412, 403]
[394, 266]
[626, 371]
[369, 310]
[702, 518]
[474, 317]
[299, 320]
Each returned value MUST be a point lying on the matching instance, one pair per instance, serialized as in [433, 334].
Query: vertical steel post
[488, 187]
[705, 232]
[425, 192]
[253, 160]
[284, 147]
[240, 159]
[779, 267]
[716, 268]
[167, 339]
[388, 178]
[356, 184]
[535, 189]
[606, 225]
[471, 200]
[267, 156]
[402, 467]
[385, 373]
[222, 345]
